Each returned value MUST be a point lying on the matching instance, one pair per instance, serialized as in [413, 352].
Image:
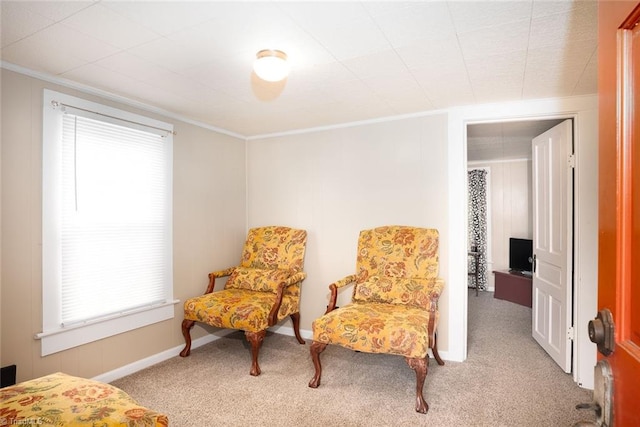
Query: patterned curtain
[478, 224]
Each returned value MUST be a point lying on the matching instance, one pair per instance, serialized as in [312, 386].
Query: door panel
[552, 225]
[557, 337]
[540, 315]
[619, 198]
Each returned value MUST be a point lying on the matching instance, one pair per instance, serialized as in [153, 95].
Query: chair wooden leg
[434, 350]
[420, 366]
[186, 333]
[316, 349]
[255, 339]
[295, 318]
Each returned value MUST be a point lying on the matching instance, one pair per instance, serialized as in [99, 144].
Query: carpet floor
[507, 380]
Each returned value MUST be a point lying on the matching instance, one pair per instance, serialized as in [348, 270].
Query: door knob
[601, 331]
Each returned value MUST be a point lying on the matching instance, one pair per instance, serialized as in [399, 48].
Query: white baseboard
[141, 364]
[288, 330]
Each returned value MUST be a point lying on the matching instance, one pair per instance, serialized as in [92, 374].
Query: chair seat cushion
[237, 309]
[376, 328]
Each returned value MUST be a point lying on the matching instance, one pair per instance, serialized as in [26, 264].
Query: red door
[619, 200]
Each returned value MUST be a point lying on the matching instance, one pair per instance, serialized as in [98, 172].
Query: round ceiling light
[271, 65]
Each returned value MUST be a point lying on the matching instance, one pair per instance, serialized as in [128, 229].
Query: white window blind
[113, 188]
[107, 187]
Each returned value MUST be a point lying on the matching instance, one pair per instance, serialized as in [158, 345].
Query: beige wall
[336, 182]
[209, 228]
[511, 213]
[332, 183]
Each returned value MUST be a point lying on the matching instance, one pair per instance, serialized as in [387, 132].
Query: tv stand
[514, 286]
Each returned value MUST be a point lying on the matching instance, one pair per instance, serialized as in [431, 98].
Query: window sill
[73, 336]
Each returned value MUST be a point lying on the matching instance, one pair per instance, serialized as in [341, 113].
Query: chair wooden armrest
[292, 280]
[334, 290]
[434, 296]
[436, 291]
[223, 273]
[215, 274]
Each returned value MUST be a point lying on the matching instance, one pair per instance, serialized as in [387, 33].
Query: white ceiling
[350, 61]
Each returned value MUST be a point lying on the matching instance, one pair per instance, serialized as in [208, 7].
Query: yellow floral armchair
[260, 292]
[394, 306]
[60, 399]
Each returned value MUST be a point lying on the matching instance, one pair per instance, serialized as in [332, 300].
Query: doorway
[503, 149]
[510, 151]
[584, 112]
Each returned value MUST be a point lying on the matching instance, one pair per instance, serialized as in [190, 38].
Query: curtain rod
[56, 104]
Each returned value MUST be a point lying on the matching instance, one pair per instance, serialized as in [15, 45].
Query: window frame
[54, 336]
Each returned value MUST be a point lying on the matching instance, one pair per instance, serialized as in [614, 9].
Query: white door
[552, 229]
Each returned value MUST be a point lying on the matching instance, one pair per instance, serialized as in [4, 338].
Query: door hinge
[572, 160]
[571, 333]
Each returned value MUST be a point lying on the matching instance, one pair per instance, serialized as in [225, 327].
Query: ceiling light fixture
[271, 65]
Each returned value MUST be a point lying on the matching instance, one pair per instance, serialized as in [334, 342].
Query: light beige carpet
[507, 380]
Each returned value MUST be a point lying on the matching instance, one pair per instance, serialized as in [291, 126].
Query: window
[107, 218]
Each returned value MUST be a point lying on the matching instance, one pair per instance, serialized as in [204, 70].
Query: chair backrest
[274, 248]
[396, 264]
[398, 251]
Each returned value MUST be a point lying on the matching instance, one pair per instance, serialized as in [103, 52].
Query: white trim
[506, 107]
[91, 322]
[113, 97]
[347, 124]
[473, 163]
[63, 339]
[55, 336]
[147, 362]
[141, 364]
[584, 111]
[53, 100]
[288, 330]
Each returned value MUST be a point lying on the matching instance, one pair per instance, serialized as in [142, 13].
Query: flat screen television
[520, 254]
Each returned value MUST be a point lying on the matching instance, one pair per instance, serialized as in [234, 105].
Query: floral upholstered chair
[394, 307]
[260, 292]
[60, 399]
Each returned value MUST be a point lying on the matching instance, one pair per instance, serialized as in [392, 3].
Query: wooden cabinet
[513, 286]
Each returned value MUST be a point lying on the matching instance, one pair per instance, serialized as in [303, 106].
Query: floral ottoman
[63, 400]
